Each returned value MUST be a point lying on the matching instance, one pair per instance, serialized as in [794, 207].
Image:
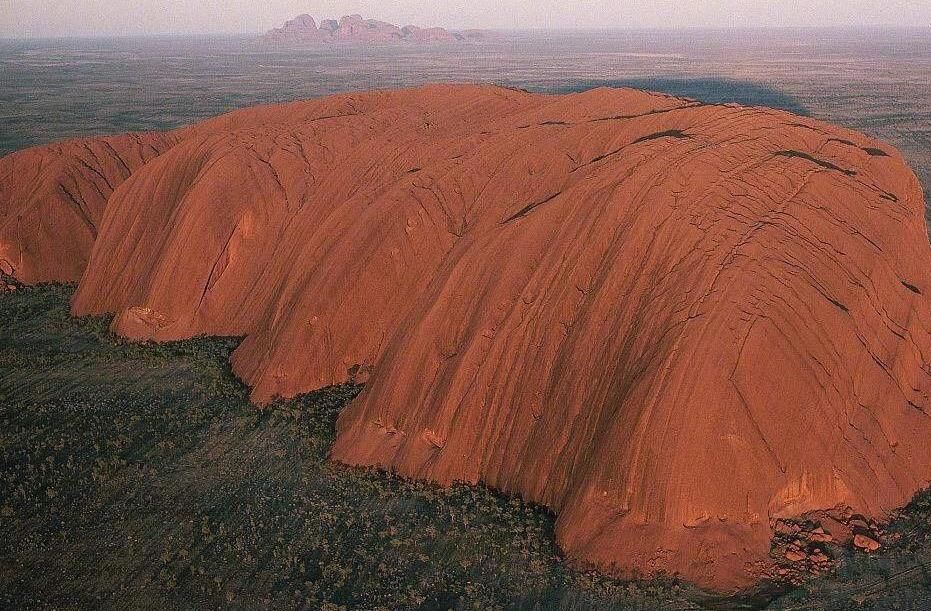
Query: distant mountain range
[353, 28]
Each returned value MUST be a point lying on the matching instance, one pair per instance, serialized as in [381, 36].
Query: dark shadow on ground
[711, 90]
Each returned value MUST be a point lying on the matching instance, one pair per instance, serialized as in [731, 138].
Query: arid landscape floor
[132, 473]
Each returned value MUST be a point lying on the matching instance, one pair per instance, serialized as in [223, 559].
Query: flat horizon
[562, 30]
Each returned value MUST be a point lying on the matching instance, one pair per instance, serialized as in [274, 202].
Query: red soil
[673, 323]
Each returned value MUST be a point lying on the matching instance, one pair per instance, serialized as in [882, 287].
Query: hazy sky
[29, 18]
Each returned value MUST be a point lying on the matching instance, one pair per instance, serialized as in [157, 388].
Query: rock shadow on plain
[708, 90]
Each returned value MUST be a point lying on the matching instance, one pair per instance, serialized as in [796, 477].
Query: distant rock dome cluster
[353, 28]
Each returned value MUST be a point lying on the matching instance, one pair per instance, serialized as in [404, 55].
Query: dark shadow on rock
[711, 90]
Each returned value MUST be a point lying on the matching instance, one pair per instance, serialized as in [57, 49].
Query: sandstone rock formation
[353, 28]
[674, 323]
[52, 199]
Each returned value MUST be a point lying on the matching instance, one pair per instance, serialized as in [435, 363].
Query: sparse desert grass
[138, 476]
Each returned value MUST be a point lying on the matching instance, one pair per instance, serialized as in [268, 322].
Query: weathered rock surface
[52, 199]
[353, 28]
[676, 324]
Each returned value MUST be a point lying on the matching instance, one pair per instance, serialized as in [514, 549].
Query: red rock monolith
[673, 323]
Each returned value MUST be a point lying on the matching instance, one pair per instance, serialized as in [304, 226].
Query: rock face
[353, 28]
[673, 323]
[52, 200]
[301, 27]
